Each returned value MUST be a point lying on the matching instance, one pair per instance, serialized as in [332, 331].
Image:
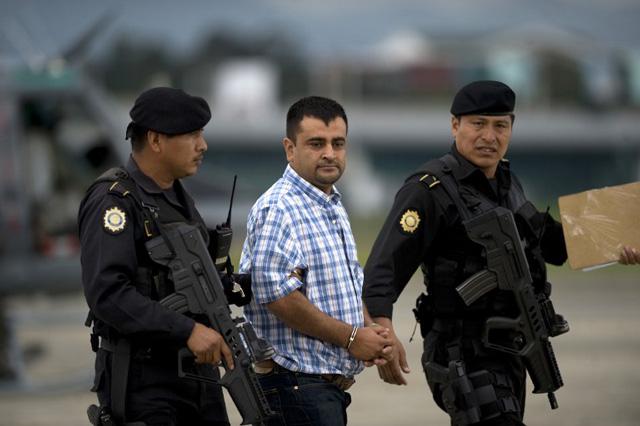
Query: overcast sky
[321, 27]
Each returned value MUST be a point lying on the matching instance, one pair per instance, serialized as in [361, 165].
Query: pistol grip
[185, 356]
[505, 335]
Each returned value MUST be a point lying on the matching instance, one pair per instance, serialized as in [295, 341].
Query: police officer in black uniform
[424, 228]
[135, 337]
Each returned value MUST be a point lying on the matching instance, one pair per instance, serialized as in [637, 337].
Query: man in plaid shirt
[307, 282]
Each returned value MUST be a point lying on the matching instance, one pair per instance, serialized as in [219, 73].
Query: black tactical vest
[454, 257]
[151, 214]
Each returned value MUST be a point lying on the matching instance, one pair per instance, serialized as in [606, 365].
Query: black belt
[342, 382]
[143, 351]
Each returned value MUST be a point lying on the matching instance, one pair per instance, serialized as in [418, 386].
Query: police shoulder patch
[410, 221]
[114, 220]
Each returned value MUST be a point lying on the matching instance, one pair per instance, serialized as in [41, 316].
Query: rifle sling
[120, 361]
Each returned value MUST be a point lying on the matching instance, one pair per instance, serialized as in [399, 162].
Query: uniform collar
[468, 171]
[142, 180]
[310, 190]
[149, 186]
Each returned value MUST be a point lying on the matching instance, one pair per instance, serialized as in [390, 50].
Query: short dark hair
[324, 109]
[138, 136]
[512, 115]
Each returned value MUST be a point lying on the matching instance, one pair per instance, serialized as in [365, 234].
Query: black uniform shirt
[401, 246]
[111, 255]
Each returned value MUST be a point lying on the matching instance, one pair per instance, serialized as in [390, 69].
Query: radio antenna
[233, 191]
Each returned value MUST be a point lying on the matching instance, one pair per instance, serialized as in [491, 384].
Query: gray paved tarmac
[598, 358]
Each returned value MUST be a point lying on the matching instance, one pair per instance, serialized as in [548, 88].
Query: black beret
[169, 111]
[484, 97]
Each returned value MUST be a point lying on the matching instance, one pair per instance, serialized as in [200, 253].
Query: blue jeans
[303, 399]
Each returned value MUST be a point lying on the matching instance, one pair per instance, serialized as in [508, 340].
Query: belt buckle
[342, 382]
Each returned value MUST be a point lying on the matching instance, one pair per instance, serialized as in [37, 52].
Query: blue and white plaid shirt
[296, 225]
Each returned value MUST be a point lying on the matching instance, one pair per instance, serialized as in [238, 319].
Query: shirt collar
[316, 194]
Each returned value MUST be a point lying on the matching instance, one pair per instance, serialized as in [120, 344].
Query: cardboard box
[597, 223]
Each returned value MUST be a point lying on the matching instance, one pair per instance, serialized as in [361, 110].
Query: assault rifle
[199, 291]
[528, 334]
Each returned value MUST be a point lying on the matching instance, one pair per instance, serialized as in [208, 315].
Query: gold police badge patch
[410, 221]
[114, 220]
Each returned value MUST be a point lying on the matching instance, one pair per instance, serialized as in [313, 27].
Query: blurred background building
[71, 69]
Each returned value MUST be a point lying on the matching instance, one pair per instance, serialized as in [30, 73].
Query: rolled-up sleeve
[271, 252]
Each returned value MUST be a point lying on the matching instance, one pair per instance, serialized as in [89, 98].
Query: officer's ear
[153, 141]
[455, 125]
[289, 148]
